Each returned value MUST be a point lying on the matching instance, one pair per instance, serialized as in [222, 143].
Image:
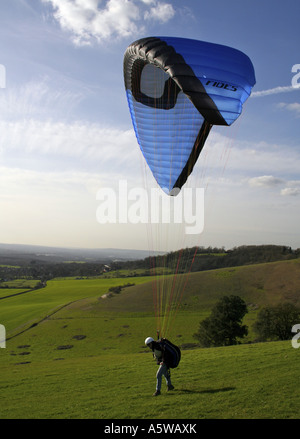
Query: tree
[224, 325]
[275, 323]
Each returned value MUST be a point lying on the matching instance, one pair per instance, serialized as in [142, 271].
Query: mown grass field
[74, 355]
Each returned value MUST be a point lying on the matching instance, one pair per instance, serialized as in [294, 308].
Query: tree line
[211, 258]
[224, 326]
[194, 259]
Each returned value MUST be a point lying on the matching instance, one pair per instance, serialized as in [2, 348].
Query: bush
[223, 327]
[275, 323]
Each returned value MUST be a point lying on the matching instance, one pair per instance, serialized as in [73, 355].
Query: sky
[66, 133]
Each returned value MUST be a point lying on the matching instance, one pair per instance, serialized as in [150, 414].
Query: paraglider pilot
[161, 357]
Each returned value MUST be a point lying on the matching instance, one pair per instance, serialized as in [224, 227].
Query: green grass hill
[72, 354]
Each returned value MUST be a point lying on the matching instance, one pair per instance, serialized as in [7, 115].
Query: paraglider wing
[177, 89]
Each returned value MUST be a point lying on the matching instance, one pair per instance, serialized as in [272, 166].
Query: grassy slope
[110, 374]
[19, 311]
[247, 381]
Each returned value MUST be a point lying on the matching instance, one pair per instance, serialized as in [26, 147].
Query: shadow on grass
[222, 389]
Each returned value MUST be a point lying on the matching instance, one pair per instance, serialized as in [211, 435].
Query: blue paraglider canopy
[177, 89]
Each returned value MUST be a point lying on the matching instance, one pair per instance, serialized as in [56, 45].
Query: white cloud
[265, 181]
[162, 12]
[290, 191]
[28, 185]
[54, 165]
[36, 99]
[272, 91]
[292, 188]
[94, 20]
[294, 107]
[35, 130]
[250, 159]
[268, 181]
[40, 142]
